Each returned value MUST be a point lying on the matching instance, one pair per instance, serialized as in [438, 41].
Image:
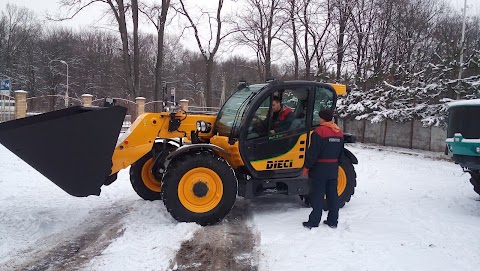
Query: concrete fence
[397, 134]
[387, 133]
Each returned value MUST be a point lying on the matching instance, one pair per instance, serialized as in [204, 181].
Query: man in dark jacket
[321, 165]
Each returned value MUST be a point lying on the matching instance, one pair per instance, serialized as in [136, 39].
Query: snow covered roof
[474, 102]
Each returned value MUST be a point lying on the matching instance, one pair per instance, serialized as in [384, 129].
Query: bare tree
[381, 39]
[136, 49]
[208, 52]
[342, 16]
[119, 10]
[158, 16]
[259, 25]
[316, 18]
[363, 19]
[20, 26]
[293, 10]
[413, 39]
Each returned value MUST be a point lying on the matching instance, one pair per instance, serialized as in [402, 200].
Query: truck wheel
[475, 180]
[147, 185]
[347, 181]
[199, 187]
[142, 179]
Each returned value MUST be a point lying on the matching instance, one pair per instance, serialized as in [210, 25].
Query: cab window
[282, 111]
[323, 100]
[259, 124]
[294, 100]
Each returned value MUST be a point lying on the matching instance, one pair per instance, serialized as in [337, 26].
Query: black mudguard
[350, 156]
[199, 146]
[72, 147]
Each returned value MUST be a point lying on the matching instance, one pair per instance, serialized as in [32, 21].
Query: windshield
[464, 120]
[233, 107]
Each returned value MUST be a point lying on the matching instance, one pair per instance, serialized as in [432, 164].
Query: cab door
[268, 151]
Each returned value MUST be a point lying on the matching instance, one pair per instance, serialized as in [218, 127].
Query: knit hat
[326, 114]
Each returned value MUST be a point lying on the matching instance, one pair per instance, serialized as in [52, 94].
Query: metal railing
[46, 103]
[203, 110]
[127, 122]
[7, 108]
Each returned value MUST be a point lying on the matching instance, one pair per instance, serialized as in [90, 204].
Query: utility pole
[462, 41]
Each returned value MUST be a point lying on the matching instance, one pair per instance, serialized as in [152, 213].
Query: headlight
[203, 126]
[478, 149]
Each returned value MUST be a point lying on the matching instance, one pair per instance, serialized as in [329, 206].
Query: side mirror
[349, 138]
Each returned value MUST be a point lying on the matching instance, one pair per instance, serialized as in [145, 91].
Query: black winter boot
[333, 226]
[308, 225]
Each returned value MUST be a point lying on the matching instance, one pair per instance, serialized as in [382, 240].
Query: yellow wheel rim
[148, 179]
[342, 181]
[200, 204]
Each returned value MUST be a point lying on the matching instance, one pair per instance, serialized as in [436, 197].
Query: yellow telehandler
[196, 163]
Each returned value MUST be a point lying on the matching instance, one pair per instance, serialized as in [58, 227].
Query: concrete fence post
[20, 104]
[140, 102]
[184, 105]
[87, 100]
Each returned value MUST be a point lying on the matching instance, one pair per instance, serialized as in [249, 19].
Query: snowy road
[408, 213]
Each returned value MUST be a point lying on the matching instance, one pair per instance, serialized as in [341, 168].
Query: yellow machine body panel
[340, 89]
[137, 141]
[234, 158]
[294, 158]
[140, 137]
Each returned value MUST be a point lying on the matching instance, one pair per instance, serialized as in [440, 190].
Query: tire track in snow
[229, 245]
[75, 246]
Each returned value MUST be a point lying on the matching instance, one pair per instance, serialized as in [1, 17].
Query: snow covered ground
[408, 213]
[34, 213]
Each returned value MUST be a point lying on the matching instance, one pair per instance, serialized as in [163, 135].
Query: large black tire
[351, 183]
[475, 180]
[190, 171]
[145, 183]
[351, 177]
[139, 183]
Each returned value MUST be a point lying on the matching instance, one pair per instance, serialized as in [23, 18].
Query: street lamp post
[462, 48]
[66, 92]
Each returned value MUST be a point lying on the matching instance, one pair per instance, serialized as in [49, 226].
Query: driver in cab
[282, 116]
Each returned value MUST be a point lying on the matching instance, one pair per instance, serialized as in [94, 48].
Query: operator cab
[234, 108]
[274, 147]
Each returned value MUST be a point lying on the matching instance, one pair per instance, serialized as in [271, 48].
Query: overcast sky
[92, 15]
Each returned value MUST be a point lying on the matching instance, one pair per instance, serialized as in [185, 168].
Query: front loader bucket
[72, 147]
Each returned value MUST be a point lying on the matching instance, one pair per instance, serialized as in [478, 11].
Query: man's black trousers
[324, 185]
